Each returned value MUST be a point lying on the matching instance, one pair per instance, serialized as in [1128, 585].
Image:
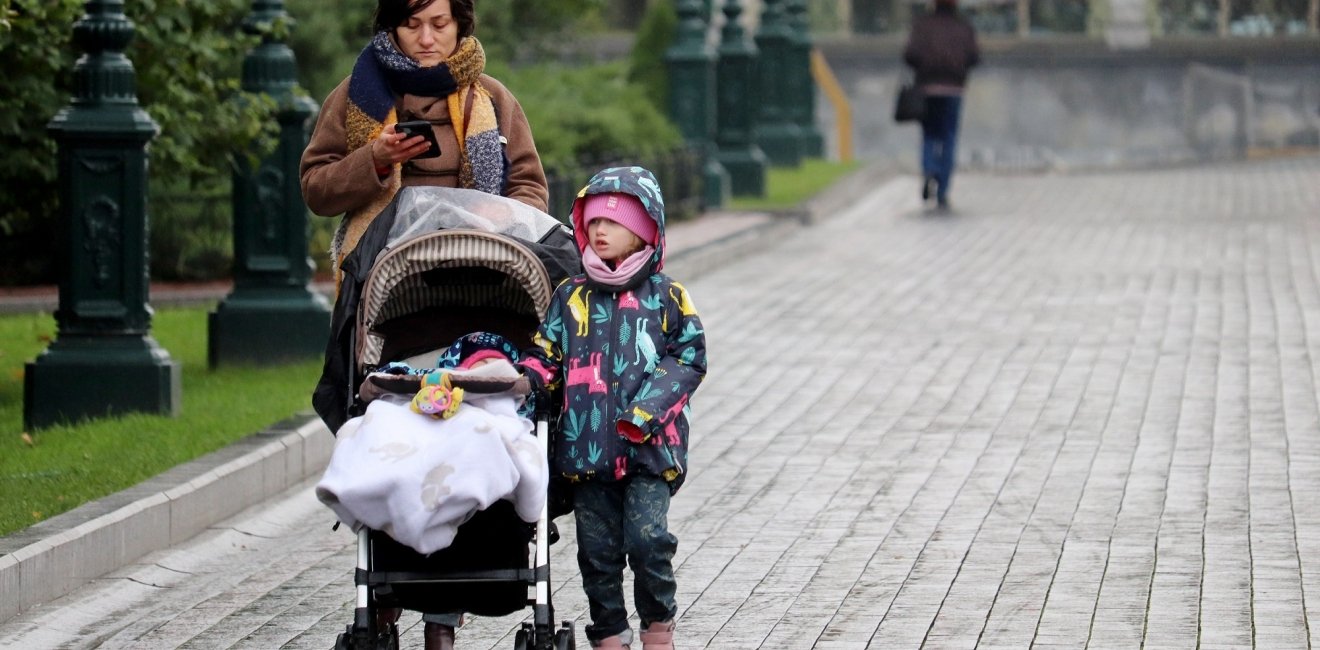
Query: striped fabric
[397, 285]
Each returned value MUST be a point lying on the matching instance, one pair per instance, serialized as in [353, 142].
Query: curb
[55, 557]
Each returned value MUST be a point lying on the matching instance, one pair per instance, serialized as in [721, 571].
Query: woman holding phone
[422, 65]
[422, 70]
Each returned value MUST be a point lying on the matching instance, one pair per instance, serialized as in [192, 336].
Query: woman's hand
[392, 147]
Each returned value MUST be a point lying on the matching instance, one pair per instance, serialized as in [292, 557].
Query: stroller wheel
[523, 639]
[564, 639]
[388, 639]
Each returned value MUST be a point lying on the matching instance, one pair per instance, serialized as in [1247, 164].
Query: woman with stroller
[424, 63]
[623, 344]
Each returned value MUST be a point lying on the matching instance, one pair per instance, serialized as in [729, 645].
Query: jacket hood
[637, 181]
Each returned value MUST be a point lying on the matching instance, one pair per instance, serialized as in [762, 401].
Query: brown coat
[336, 181]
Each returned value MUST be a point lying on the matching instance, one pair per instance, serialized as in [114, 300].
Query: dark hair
[390, 14]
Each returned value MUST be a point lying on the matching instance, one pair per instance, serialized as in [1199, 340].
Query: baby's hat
[477, 346]
[624, 209]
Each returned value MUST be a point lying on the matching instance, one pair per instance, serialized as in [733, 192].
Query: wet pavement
[1080, 410]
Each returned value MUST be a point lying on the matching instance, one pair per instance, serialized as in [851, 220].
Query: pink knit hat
[623, 209]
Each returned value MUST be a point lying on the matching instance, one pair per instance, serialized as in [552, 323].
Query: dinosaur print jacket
[631, 353]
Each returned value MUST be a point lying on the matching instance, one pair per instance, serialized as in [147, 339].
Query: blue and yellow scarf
[382, 73]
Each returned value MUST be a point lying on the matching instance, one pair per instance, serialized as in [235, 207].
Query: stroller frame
[540, 634]
[374, 583]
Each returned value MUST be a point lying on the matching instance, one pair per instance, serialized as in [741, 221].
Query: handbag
[910, 105]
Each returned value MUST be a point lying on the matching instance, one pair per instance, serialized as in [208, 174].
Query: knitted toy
[437, 400]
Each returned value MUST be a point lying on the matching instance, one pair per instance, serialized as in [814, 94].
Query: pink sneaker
[658, 636]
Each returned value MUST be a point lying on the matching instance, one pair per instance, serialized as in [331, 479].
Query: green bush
[519, 31]
[187, 57]
[589, 113]
[647, 60]
[327, 37]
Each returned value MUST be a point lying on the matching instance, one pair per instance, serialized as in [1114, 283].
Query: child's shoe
[610, 643]
[658, 636]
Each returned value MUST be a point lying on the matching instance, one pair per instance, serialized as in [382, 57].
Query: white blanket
[417, 478]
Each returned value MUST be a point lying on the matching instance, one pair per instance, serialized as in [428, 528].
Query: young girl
[623, 344]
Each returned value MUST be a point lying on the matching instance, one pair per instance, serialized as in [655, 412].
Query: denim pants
[618, 521]
[939, 140]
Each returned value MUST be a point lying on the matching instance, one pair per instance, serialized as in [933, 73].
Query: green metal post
[737, 107]
[103, 360]
[775, 131]
[272, 315]
[804, 87]
[691, 63]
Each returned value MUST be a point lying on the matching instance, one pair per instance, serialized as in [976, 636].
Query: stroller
[436, 264]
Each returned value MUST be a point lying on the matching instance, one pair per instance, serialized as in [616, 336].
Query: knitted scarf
[383, 72]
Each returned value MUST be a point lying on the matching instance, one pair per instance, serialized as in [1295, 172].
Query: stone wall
[1071, 103]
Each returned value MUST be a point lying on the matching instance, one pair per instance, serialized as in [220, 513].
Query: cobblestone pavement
[1079, 411]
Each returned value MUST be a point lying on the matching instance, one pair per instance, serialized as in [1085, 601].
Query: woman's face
[430, 35]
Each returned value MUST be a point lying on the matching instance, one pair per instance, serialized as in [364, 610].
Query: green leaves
[187, 57]
[589, 113]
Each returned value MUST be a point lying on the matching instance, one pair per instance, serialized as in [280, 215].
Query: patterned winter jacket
[635, 354]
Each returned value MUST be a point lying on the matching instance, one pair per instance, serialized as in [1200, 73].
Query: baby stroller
[436, 264]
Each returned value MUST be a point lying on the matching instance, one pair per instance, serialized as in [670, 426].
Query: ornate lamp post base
[813, 141]
[272, 316]
[268, 327]
[781, 142]
[774, 130]
[103, 360]
[735, 116]
[691, 64]
[81, 377]
[747, 170]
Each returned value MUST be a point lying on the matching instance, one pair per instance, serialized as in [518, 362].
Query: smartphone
[422, 128]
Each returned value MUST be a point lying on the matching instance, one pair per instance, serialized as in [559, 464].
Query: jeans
[618, 521]
[939, 141]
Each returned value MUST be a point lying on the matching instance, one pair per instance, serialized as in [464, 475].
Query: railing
[678, 171]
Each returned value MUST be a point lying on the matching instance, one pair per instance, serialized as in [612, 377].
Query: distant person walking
[941, 48]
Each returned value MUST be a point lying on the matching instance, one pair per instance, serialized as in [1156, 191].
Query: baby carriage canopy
[438, 263]
[457, 271]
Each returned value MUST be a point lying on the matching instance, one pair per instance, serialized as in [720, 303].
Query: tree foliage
[327, 37]
[589, 113]
[187, 57]
[518, 31]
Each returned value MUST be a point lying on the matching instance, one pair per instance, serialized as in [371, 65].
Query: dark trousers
[618, 521]
[939, 141]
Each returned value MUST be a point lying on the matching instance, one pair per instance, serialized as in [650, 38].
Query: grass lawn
[43, 474]
[787, 187]
[48, 472]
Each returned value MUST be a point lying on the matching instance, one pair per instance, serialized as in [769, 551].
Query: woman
[423, 64]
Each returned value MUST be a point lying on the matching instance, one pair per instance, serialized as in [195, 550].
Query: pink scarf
[601, 272]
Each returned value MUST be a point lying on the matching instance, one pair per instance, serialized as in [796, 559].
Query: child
[624, 345]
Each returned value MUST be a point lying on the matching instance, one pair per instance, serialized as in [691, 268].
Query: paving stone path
[1080, 411]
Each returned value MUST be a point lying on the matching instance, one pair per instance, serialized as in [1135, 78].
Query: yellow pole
[820, 71]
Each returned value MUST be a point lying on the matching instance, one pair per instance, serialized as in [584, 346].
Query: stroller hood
[407, 230]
